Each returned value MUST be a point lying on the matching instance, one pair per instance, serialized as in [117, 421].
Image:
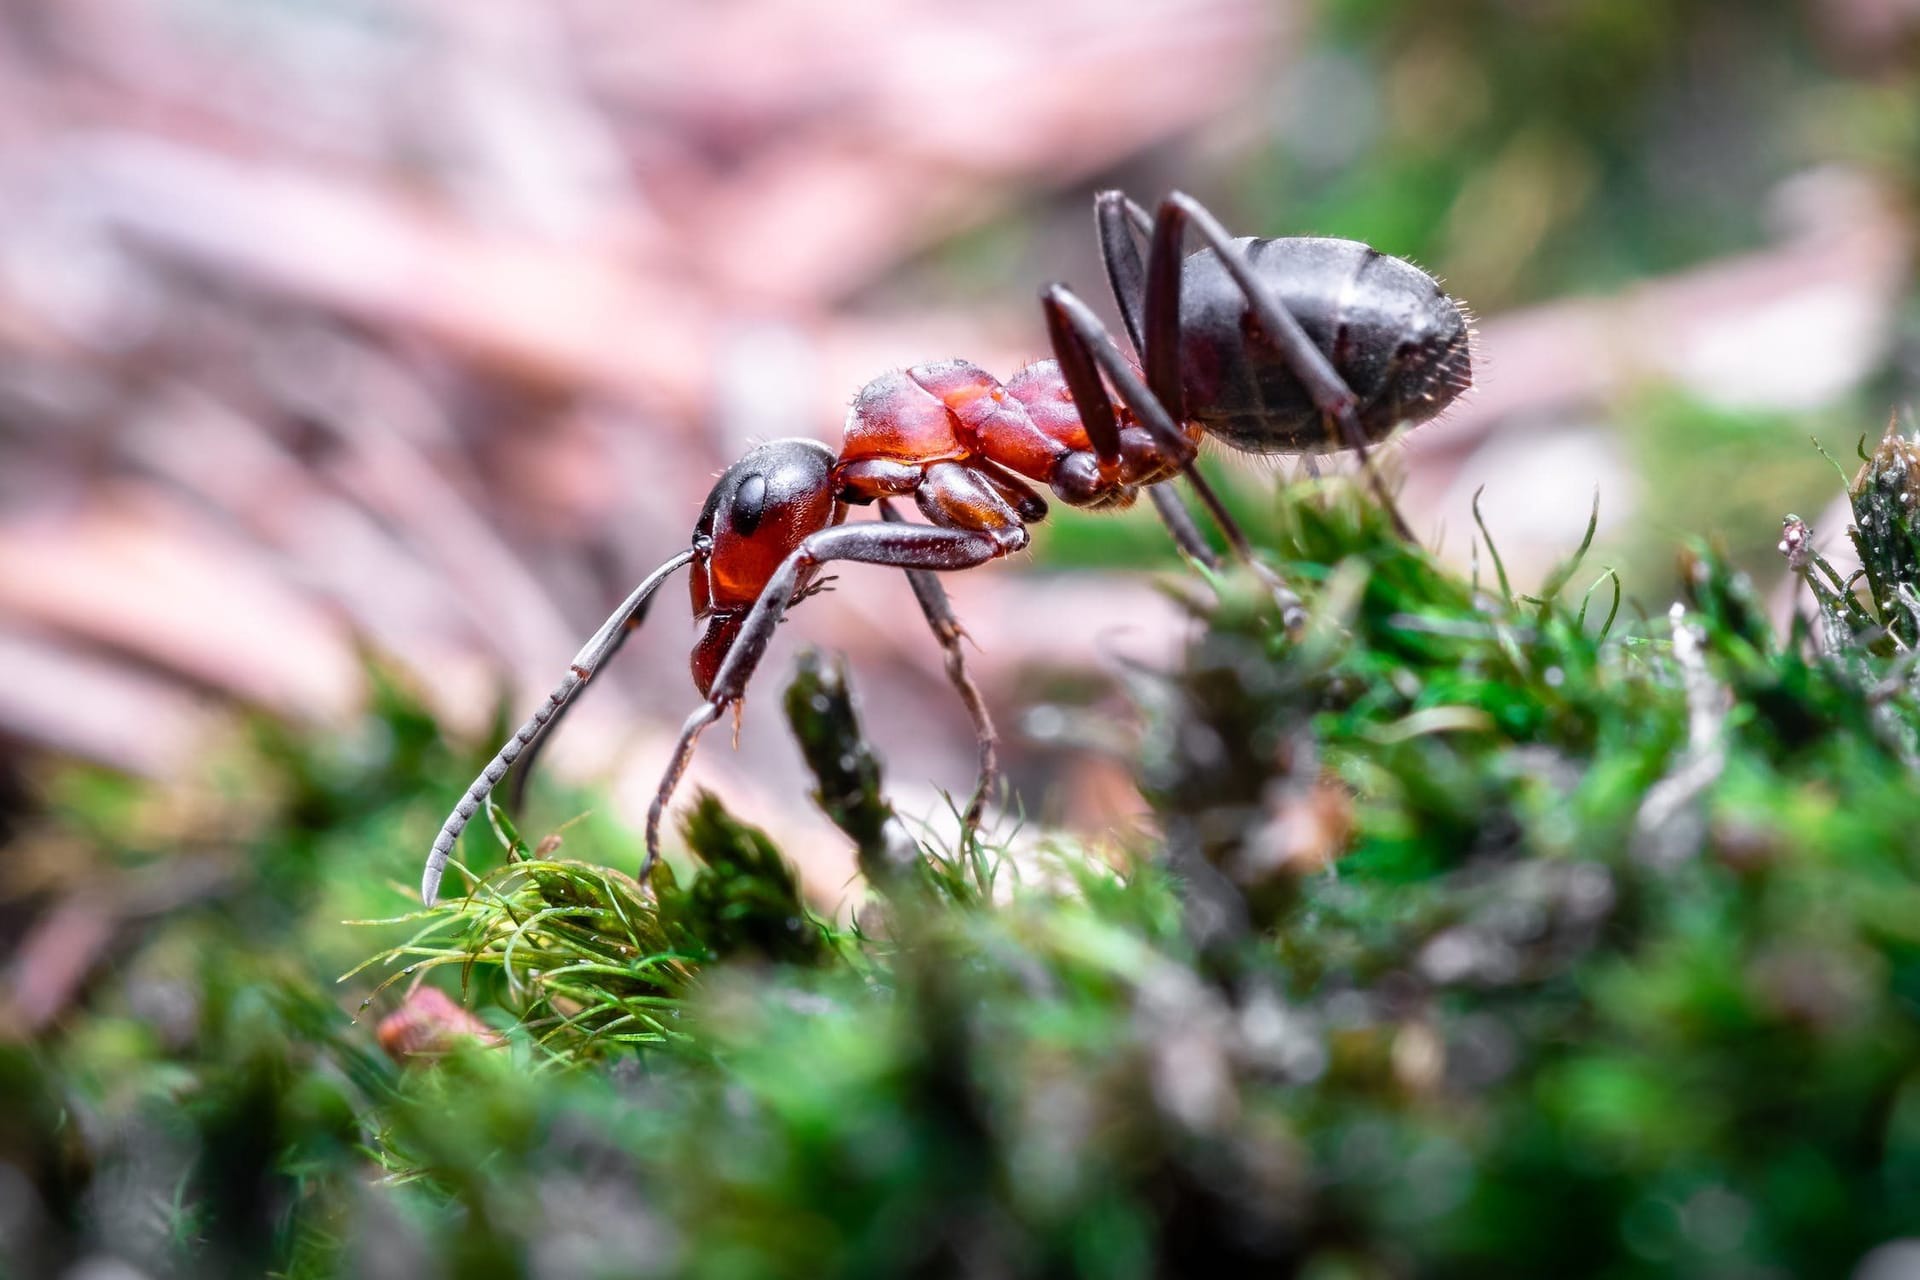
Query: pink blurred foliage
[423, 325]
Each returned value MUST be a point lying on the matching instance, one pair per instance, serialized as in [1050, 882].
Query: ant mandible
[1294, 345]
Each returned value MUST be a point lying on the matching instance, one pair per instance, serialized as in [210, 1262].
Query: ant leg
[1116, 218]
[1179, 521]
[946, 629]
[901, 546]
[1309, 364]
[596, 651]
[1066, 315]
[1086, 350]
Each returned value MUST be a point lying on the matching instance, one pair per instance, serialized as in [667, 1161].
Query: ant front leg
[1086, 350]
[901, 546]
[1330, 393]
[947, 630]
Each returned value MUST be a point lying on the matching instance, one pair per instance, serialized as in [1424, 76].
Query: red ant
[1263, 344]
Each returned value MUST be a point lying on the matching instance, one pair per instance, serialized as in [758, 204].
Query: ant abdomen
[1388, 329]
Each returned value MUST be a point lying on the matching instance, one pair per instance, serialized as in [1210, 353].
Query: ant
[1294, 345]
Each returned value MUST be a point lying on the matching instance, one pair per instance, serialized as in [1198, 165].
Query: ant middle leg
[900, 546]
[1330, 393]
[947, 630]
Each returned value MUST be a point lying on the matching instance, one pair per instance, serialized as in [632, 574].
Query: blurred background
[348, 344]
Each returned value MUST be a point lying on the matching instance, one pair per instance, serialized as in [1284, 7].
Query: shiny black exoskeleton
[1387, 328]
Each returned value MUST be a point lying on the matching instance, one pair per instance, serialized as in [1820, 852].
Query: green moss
[1487, 934]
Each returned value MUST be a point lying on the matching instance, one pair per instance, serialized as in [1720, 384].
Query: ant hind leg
[1117, 218]
[1179, 521]
[1085, 351]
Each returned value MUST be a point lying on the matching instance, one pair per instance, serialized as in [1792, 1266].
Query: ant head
[758, 511]
[756, 515]
[717, 635]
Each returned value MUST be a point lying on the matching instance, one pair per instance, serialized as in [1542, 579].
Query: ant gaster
[1296, 345]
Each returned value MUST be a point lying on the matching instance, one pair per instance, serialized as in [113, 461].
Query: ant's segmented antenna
[585, 663]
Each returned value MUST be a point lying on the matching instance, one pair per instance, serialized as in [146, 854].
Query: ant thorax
[905, 425]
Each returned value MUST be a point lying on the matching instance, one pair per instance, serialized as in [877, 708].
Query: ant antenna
[604, 641]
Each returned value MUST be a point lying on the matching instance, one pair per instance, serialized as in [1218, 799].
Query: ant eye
[749, 503]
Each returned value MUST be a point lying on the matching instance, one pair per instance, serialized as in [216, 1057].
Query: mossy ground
[1488, 934]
